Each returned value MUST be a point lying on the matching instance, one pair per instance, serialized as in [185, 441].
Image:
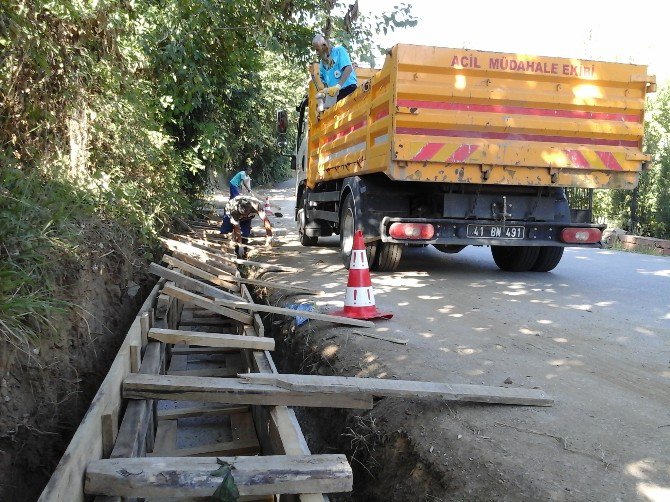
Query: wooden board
[192, 477]
[256, 307]
[212, 339]
[232, 391]
[402, 388]
[225, 448]
[201, 411]
[208, 372]
[188, 297]
[189, 283]
[137, 421]
[166, 438]
[197, 272]
[225, 275]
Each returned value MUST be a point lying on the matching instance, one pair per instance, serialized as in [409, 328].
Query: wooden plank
[137, 420]
[189, 477]
[256, 307]
[211, 248]
[242, 426]
[212, 339]
[201, 411]
[226, 448]
[145, 324]
[206, 303]
[135, 357]
[208, 372]
[197, 272]
[205, 262]
[258, 322]
[185, 351]
[109, 430]
[65, 484]
[163, 305]
[232, 391]
[166, 438]
[188, 282]
[228, 276]
[402, 388]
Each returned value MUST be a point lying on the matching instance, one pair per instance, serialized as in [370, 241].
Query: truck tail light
[416, 231]
[581, 235]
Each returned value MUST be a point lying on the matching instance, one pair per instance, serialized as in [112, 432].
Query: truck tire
[305, 240]
[388, 257]
[347, 229]
[548, 259]
[515, 258]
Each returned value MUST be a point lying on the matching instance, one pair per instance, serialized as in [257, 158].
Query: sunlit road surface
[594, 334]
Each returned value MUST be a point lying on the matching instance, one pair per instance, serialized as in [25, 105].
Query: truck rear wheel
[388, 256]
[347, 229]
[549, 258]
[305, 239]
[515, 258]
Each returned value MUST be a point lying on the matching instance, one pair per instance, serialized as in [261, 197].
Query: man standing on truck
[238, 213]
[335, 69]
[240, 180]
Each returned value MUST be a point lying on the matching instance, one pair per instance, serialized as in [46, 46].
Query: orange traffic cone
[359, 302]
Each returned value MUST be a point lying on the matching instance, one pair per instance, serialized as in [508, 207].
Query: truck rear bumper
[451, 231]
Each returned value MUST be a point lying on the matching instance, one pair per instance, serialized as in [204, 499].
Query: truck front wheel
[347, 230]
[548, 259]
[515, 258]
[305, 239]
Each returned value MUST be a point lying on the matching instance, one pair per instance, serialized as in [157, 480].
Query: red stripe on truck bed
[519, 110]
[515, 137]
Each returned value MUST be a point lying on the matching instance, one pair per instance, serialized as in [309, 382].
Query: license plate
[496, 232]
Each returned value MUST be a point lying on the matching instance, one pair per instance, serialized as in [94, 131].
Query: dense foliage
[114, 112]
[645, 210]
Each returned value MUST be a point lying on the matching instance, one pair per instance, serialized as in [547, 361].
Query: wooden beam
[200, 244]
[232, 391]
[226, 448]
[202, 259]
[208, 372]
[189, 283]
[201, 411]
[166, 438]
[197, 272]
[192, 477]
[257, 307]
[328, 385]
[226, 275]
[137, 420]
[206, 303]
[212, 339]
[186, 351]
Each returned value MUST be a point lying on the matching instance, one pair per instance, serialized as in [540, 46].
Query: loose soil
[46, 391]
[593, 334]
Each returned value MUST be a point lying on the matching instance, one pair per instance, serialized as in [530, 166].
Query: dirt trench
[47, 389]
[389, 446]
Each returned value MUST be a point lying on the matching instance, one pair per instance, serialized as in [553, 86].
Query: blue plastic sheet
[304, 307]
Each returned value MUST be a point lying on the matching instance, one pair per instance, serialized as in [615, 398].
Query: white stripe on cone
[359, 297]
[359, 260]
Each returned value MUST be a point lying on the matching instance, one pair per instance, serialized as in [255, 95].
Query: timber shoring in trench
[127, 444]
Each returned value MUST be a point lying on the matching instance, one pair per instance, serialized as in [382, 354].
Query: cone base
[363, 313]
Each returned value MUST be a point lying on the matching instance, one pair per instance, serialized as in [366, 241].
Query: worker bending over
[238, 213]
[335, 68]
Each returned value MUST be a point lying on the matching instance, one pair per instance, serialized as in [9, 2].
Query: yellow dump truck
[455, 147]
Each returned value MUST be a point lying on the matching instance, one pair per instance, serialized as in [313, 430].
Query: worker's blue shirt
[238, 179]
[330, 75]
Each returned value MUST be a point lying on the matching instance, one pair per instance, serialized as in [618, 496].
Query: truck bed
[460, 116]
